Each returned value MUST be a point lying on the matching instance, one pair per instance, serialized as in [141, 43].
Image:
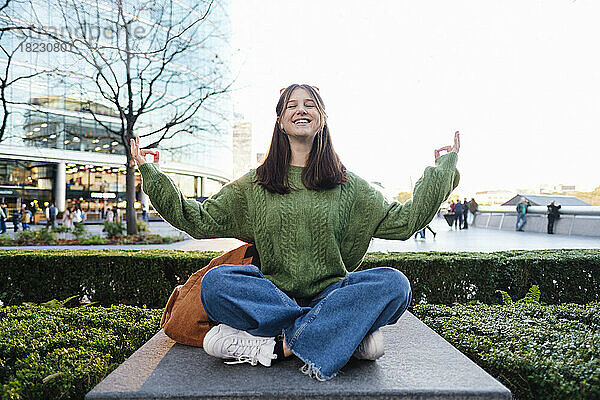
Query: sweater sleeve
[224, 214]
[400, 221]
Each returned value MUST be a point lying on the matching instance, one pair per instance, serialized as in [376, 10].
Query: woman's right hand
[138, 155]
[455, 148]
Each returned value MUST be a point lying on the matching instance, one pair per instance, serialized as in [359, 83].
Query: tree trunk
[130, 196]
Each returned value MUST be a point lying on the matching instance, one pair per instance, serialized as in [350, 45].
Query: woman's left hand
[449, 149]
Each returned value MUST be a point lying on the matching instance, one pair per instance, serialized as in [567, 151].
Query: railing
[574, 220]
[566, 210]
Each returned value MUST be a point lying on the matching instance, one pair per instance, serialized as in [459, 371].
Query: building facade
[242, 146]
[60, 146]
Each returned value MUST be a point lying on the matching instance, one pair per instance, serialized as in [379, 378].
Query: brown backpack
[184, 319]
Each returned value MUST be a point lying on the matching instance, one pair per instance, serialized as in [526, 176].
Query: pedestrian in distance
[16, 219]
[110, 216]
[453, 214]
[473, 207]
[522, 214]
[422, 232]
[25, 217]
[68, 217]
[553, 215]
[459, 213]
[77, 214]
[312, 221]
[465, 213]
[51, 212]
[3, 217]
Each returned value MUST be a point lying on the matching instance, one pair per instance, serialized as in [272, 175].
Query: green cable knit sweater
[306, 239]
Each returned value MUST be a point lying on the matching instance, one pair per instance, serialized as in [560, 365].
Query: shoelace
[243, 359]
[246, 351]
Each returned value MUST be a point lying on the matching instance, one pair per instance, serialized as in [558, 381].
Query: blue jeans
[519, 218]
[323, 331]
[2, 226]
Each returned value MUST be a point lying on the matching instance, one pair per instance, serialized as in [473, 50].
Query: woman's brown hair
[323, 170]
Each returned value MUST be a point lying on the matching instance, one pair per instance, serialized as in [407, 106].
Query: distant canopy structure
[545, 199]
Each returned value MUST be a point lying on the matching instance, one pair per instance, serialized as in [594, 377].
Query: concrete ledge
[418, 364]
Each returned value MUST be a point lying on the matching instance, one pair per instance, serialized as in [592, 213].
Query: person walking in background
[422, 232]
[3, 217]
[553, 215]
[109, 215]
[83, 213]
[16, 219]
[51, 215]
[465, 213]
[473, 207]
[430, 230]
[458, 212]
[25, 217]
[77, 217]
[521, 214]
[453, 213]
[68, 216]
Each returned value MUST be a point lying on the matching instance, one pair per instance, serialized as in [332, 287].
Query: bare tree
[10, 44]
[143, 59]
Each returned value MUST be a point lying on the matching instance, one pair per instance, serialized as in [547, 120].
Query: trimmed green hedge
[147, 277]
[539, 352]
[563, 276]
[62, 353]
[134, 277]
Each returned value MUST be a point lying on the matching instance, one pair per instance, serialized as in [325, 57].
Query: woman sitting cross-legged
[311, 220]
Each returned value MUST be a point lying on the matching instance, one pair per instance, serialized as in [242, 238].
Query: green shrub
[25, 237]
[563, 276]
[142, 226]
[61, 353]
[168, 239]
[134, 277]
[79, 230]
[532, 297]
[113, 229]
[44, 235]
[538, 351]
[60, 229]
[93, 239]
[147, 277]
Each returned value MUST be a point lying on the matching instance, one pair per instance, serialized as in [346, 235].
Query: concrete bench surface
[418, 364]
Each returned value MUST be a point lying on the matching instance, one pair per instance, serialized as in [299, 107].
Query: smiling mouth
[301, 122]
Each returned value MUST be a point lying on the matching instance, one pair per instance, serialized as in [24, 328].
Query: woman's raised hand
[138, 155]
[449, 149]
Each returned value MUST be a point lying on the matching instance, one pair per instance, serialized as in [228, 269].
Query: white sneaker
[371, 348]
[225, 342]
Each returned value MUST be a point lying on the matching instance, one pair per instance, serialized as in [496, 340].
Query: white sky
[519, 79]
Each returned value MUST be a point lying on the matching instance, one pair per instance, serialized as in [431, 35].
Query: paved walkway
[472, 239]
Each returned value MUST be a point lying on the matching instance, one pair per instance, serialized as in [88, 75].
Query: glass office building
[61, 142]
